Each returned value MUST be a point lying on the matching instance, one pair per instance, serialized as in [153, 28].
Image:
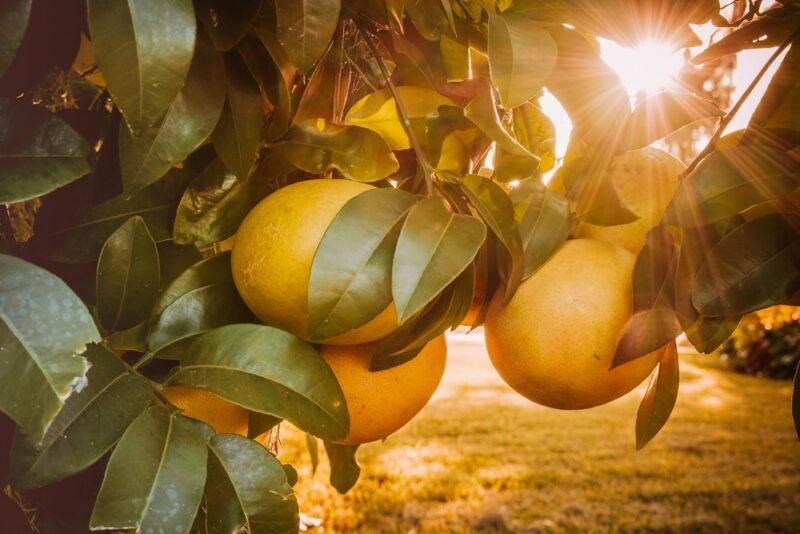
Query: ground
[481, 458]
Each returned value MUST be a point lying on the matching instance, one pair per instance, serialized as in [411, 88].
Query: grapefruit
[381, 402]
[223, 416]
[555, 340]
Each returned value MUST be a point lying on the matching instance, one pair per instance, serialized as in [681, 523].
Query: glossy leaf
[664, 113]
[496, 209]
[14, 16]
[351, 285]
[238, 133]
[543, 218]
[753, 267]
[434, 247]
[378, 112]
[305, 29]
[247, 489]
[128, 276]
[270, 371]
[358, 153]
[144, 50]
[167, 453]
[658, 401]
[226, 22]
[344, 468]
[39, 152]
[521, 56]
[89, 424]
[43, 327]
[188, 122]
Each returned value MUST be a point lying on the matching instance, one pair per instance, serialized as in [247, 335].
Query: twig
[709, 148]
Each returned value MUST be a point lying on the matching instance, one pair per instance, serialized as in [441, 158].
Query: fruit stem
[723, 123]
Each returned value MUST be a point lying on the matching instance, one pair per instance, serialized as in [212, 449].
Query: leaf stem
[401, 109]
[723, 123]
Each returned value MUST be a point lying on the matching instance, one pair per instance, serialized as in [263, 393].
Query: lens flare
[650, 67]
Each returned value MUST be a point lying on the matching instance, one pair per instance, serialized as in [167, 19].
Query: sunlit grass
[481, 457]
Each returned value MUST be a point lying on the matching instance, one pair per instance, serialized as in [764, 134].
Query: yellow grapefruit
[555, 340]
[275, 247]
[380, 403]
[223, 416]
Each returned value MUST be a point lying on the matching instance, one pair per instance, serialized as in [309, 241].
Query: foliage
[165, 132]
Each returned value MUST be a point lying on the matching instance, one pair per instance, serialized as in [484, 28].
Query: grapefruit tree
[220, 217]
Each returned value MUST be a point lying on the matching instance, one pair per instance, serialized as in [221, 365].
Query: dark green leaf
[359, 154]
[144, 50]
[344, 468]
[521, 56]
[544, 220]
[238, 133]
[666, 112]
[127, 276]
[89, 424]
[154, 479]
[258, 423]
[755, 266]
[247, 489]
[305, 29]
[658, 401]
[188, 122]
[313, 452]
[43, 325]
[227, 22]
[270, 371]
[39, 152]
[434, 247]
[351, 285]
[496, 209]
[14, 16]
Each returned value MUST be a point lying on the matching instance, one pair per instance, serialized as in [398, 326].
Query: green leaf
[666, 112]
[313, 452]
[14, 16]
[521, 56]
[658, 401]
[359, 154]
[351, 285]
[43, 325]
[80, 240]
[305, 29]
[188, 122]
[215, 203]
[780, 105]
[543, 218]
[796, 402]
[238, 133]
[247, 490]
[534, 130]
[90, 423]
[378, 112]
[732, 180]
[654, 322]
[270, 371]
[144, 50]
[39, 152]
[258, 423]
[496, 209]
[434, 247]
[706, 334]
[753, 267]
[590, 187]
[344, 468]
[226, 22]
[450, 138]
[155, 476]
[128, 274]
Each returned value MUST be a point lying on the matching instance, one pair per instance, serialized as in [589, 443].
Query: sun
[650, 67]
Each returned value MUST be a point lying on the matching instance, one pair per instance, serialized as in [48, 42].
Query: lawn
[481, 458]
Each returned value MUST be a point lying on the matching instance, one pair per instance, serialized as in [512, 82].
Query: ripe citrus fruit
[380, 403]
[645, 181]
[223, 416]
[275, 247]
[555, 340]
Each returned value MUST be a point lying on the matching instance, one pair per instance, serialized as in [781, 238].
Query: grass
[481, 458]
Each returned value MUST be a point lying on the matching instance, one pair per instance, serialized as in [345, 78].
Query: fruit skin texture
[380, 403]
[554, 342]
[223, 416]
[645, 181]
[275, 247]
